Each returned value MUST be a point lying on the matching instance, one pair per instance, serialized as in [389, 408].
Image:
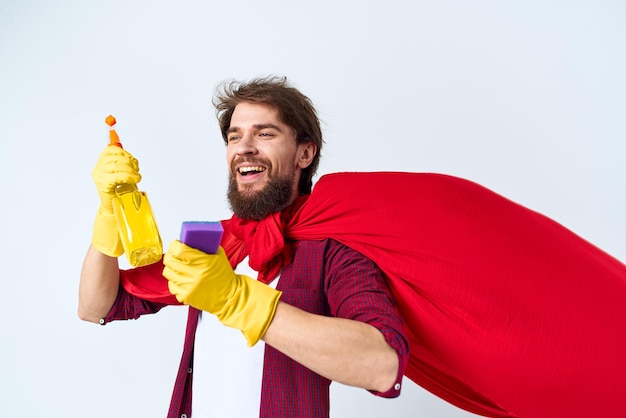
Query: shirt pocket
[313, 301]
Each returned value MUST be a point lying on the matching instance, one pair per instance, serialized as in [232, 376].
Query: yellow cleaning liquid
[137, 227]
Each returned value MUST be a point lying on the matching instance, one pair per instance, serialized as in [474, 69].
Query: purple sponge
[203, 236]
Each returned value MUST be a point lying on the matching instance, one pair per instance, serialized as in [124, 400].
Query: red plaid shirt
[326, 278]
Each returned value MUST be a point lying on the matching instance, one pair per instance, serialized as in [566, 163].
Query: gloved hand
[115, 166]
[208, 282]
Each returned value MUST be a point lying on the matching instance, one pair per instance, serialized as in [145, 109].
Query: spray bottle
[137, 227]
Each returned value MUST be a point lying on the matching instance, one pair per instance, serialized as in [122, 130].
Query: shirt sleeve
[356, 289]
[128, 306]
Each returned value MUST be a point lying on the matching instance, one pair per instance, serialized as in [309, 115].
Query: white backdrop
[527, 98]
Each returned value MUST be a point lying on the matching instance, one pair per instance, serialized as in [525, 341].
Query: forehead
[248, 113]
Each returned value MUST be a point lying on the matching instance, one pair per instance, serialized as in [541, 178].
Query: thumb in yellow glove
[208, 282]
[115, 166]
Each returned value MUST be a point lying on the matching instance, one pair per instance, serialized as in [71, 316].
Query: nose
[245, 145]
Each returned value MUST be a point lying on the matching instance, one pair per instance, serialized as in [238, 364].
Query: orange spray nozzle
[114, 139]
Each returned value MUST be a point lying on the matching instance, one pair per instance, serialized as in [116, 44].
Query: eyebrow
[257, 126]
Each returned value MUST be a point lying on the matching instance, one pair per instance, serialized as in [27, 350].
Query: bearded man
[506, 312]
[323, 313]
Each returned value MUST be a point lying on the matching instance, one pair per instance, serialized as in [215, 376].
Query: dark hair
[294, 109]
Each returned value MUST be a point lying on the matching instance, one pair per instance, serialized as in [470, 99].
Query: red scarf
[508, 313]
[265, 241]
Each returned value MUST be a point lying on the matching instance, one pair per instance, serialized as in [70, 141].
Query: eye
[232, 138]
[266, 135]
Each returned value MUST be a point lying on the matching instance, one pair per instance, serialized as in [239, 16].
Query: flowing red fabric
[508, 313]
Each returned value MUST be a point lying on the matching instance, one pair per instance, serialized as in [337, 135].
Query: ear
[305, 155]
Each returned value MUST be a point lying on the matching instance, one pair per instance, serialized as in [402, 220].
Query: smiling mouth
[244, 171]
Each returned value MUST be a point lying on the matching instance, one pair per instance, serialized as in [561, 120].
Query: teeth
[246, 170]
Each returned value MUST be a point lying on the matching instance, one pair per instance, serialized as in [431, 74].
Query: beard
[256, 205]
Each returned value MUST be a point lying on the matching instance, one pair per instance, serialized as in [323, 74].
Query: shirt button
[189, 370]
[397, 386]
[183, 416]
[101, 321]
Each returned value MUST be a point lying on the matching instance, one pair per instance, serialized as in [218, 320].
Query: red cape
[508, 313]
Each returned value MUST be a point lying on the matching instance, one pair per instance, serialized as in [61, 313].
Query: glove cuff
[252, 309]
[105, 237]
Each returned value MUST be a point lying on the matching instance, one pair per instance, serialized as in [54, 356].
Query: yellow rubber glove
[208, 282]
[115, 166]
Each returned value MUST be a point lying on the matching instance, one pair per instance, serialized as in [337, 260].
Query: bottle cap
[114, 139]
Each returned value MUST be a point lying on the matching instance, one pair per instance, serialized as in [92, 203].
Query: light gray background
[526, 97]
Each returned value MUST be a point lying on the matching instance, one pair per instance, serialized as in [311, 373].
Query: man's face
[265, 161]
